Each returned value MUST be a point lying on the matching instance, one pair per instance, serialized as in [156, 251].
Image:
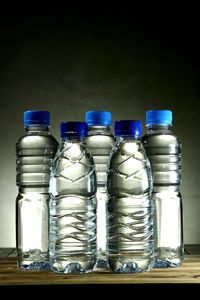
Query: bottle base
[102, 264]
[33, 259]
[34, 265]
[167, 262]
[168, 257]
[73, 265]
[163, 263]
[130, 265]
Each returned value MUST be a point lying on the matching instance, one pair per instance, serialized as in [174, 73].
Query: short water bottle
[100, 141]
[35, 151]
[130, 208]
[164, 152]
[73, 203]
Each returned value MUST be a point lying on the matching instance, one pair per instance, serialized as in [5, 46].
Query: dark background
[122, 60]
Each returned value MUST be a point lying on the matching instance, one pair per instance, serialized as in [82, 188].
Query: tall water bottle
[100, 142]
[73, 203]
[164, 152]
[35, 151]
[130, 208]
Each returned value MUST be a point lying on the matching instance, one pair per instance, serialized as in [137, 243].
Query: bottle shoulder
[34, 140]
[160, 139]
[129, 148]
[100, 140]
[73, 151]
[129, 171]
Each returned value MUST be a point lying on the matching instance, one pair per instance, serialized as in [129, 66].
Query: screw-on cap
[128, 128]
[159, 116]
[98, 117]
[34, 117]
[73, 129]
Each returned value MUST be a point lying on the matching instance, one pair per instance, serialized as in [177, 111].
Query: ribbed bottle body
[164, 152]
[73, 209]
[100, 142]
[130, 209]
[35, 152]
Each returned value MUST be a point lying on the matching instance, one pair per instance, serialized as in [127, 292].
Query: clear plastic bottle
[164, 152]
[35, 151]
[130, 209]
[100, 141]
[73, 203]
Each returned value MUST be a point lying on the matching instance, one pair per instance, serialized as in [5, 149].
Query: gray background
[71, 63]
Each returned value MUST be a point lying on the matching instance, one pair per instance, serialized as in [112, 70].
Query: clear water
[100, 142]
[35, 152]
[130, 209]
[164, 152]
[73, 210]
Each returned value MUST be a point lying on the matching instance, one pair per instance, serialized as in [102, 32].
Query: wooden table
[189, 272]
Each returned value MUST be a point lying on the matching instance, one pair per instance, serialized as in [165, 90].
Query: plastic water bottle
[35, 151]
[100, 142]
[73, 203]
[164, 152]
[130, 208]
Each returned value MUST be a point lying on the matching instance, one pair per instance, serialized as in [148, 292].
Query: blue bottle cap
[128, 128]
[34, 117]
[73, 129]
[98, 117]
[159, 116]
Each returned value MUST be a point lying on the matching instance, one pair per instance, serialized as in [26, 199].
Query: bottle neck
[99, 129]
[128, 138]
[73, 139]
[36, 128]
[161, 128]
[33, 189]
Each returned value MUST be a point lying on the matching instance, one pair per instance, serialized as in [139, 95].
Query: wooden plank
[189, 272]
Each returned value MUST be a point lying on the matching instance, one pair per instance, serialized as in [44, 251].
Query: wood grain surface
[189, 272]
